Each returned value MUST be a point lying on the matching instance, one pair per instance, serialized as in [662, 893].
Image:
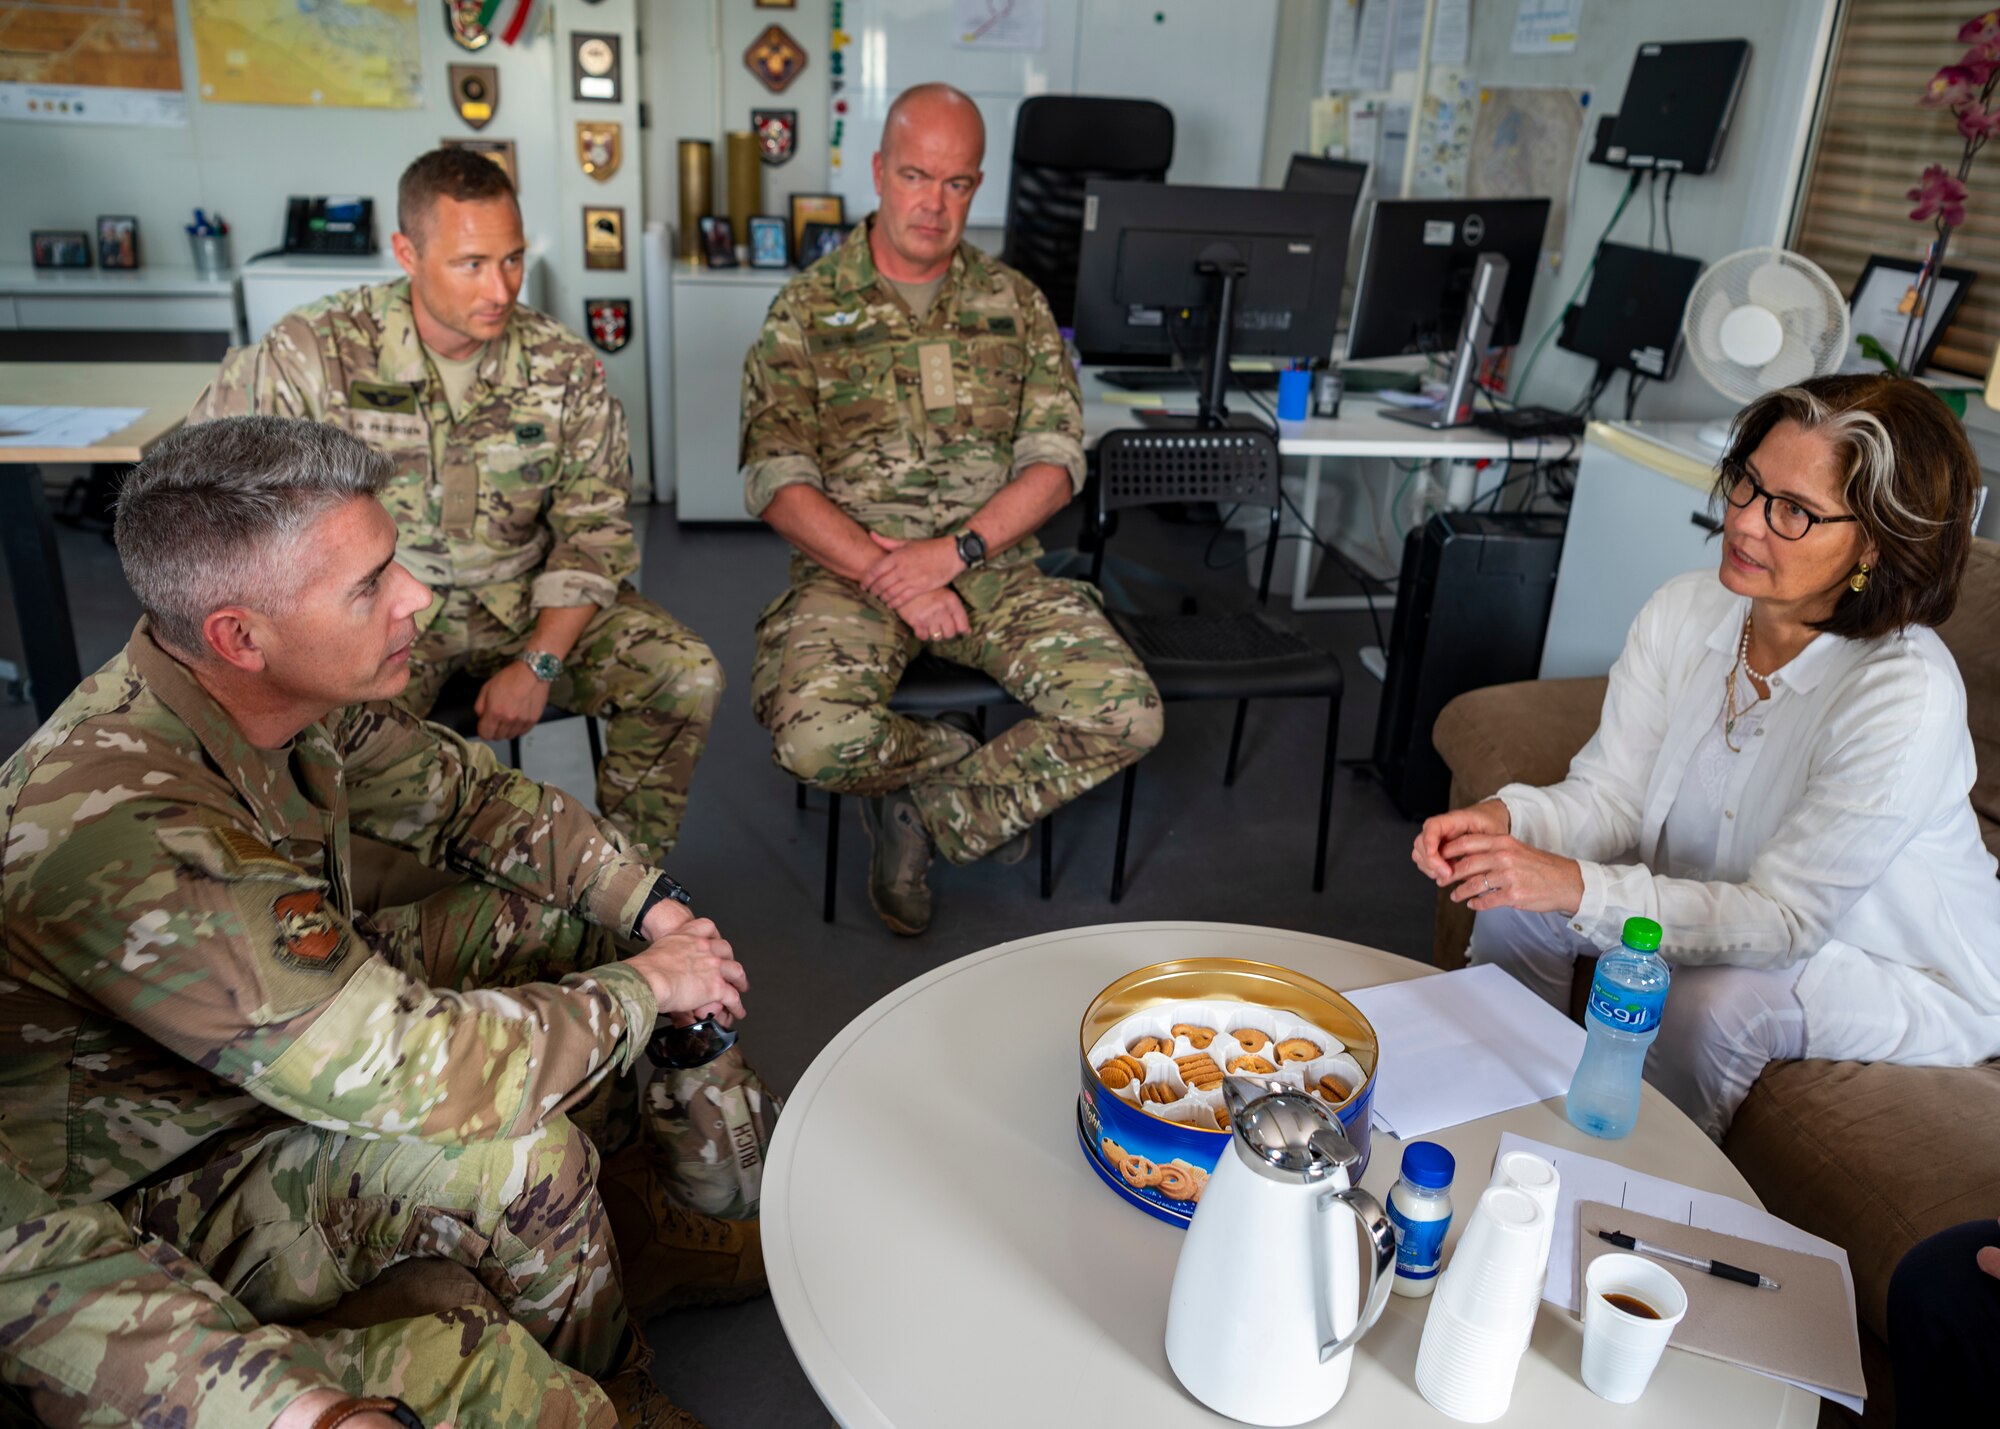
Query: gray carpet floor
[754, 862]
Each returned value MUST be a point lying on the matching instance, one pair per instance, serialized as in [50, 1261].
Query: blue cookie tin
[1161, 1165]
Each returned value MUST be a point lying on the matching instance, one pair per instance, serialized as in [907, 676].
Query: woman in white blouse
[1781, 773]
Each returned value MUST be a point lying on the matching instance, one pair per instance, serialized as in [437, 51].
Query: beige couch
[1872, 1157]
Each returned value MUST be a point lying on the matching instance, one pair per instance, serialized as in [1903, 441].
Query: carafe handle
[1381, 1266]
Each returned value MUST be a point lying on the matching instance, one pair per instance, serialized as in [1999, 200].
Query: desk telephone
[339, 224]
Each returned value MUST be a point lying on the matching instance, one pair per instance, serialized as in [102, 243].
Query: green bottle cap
[1642, 934]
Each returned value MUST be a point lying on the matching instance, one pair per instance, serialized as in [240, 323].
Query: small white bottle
[1420, 1214]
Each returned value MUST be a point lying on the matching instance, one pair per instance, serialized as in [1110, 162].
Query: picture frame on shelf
[820, 240]
[1880, 307]
[60, 247]
[770, 241]
[814, 208]
[117, 241]
[718, 241]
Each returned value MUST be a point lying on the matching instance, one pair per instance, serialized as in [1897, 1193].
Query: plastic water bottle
[1627, 996]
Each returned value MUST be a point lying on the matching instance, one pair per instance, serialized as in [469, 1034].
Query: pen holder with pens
[211, 253]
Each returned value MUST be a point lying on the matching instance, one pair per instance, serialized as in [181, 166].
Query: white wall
[242, 160]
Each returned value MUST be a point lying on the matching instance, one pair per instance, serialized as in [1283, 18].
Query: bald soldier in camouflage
[909, 421]
[511, 478]
[229, 1095]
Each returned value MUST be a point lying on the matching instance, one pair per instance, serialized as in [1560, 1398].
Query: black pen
[1707, 1267]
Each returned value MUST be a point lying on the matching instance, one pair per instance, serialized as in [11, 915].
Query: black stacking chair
[1061, 143]
[1250, 655]
[454, 710]
[930, 686]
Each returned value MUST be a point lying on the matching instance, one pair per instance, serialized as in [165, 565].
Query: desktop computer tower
[1471, 609]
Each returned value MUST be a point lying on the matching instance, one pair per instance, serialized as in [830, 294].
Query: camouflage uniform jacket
[180, 951]
[834, 395]
[519, 495]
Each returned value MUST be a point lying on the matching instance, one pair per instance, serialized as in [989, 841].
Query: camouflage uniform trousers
[829, 658]
[648, 677]
[288, 1219]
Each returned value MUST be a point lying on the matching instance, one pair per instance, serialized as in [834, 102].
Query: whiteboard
[1210, 63]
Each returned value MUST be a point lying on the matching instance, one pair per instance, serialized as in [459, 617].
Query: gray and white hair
[219, 514]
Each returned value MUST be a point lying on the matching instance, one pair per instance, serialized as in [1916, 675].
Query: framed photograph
[604, 238]
[814, 208]
[770, 242]
[718, 241]
[1880, 306]
[117, 242]
[61, 247]
[820, 240]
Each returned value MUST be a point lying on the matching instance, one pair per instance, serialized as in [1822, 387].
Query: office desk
[28, 534]
[1361, 430]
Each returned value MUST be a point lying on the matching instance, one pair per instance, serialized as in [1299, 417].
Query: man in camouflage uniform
[228, 1095]
[910, 420]
[511, 477]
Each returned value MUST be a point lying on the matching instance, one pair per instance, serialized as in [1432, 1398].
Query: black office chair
[455, 711]
[931, 686]
[1061, 143]
[1245, 656]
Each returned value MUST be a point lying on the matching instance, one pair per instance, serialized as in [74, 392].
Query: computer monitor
[1417, 266]
[1309, 173]
[1162, 264]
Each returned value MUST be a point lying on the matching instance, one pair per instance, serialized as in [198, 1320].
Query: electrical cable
[1634, 385]
[1631, 187]
[1667, 209]
[1360, 577]
[1652, 207]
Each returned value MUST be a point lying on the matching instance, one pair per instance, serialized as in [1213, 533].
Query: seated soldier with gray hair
[229, 1096]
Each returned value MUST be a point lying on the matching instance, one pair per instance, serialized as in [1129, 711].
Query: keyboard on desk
[1172, 379]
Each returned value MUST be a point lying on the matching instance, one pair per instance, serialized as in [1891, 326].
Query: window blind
[1872, 143]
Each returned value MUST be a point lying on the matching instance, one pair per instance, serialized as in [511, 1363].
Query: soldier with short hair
[510, 477]
[229, 1094]
[910, 419]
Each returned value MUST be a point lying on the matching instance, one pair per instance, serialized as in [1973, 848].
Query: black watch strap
[971, 547]
[663, 889]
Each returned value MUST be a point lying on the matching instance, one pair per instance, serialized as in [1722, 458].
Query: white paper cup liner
[1620, 1350]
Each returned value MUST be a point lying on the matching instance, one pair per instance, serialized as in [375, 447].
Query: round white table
[940, 1253]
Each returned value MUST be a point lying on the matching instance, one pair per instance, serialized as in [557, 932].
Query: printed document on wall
[1547, 27]
[1336, 66]
[999, 24]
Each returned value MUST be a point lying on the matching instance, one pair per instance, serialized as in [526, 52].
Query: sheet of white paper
[1336, 66]
[1451, 40]
[63, 426]
[1591, 1178]
[1463, 1045]
[1547, 27]
[1395, 143]
[1364, 134]
[1371, 44]
[1407, 35]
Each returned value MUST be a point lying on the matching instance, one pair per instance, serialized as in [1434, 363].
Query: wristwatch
[545, 665]
[663, 888]
[971, 548]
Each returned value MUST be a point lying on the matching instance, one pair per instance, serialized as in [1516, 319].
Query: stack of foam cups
[1474, 1335]
[1525, 1171]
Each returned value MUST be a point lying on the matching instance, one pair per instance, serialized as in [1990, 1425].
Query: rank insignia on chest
[381, 397]
[309, 936]
[610, 322]
[777, 133]
[599, 147]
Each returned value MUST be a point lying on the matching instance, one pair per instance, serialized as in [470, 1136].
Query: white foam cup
[1464, 1371]
[1494, 1277]
[1539, 1179]
[1620, 1349]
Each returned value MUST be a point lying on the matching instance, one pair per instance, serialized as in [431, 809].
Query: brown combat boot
[636, 1398]
[899, 867]
[673, 1257]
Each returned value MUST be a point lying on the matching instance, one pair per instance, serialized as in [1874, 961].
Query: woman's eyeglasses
[1784, 516]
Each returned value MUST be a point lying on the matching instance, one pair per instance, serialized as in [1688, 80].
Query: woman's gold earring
[1858, 582]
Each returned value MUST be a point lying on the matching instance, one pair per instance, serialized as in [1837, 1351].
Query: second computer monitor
[1148, 273]
[1417, 266]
